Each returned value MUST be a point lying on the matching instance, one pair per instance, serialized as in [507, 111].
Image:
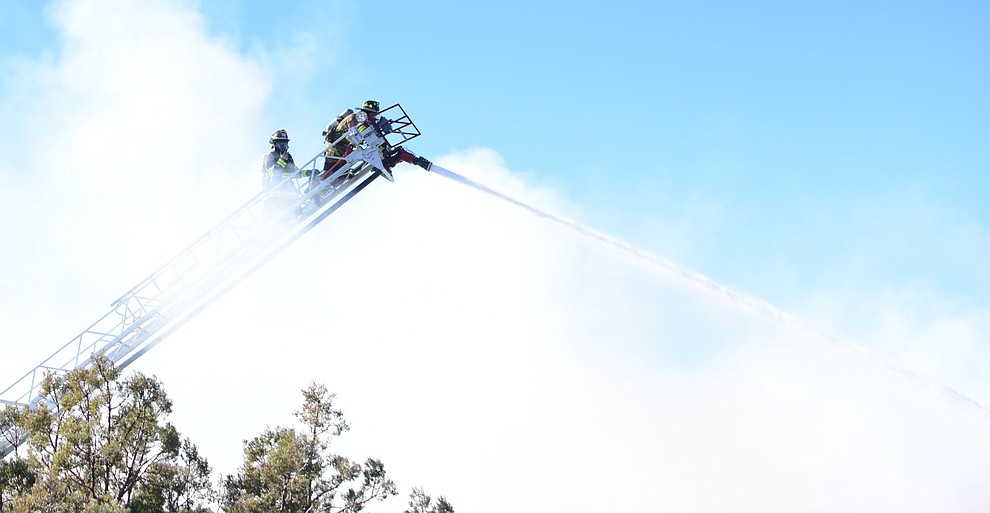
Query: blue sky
[822, 146]
[790, 139]
[828, 158]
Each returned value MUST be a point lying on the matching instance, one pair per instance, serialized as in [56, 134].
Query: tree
[15, 480]
[420, 502]
[101, 442]
[290, 470]
[179, 485]
[16, 477]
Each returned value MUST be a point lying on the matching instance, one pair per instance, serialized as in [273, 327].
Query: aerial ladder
[216, 262]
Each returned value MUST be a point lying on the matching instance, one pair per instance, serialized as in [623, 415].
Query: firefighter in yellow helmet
[337, 147]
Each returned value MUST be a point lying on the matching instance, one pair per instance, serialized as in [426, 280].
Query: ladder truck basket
[399, 128]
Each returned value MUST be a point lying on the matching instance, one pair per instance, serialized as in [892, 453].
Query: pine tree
[98, 441]
[294, 470]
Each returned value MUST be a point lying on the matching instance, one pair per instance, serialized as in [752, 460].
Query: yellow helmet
[370, 105]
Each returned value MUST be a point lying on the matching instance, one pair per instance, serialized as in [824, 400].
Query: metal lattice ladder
[243, 242]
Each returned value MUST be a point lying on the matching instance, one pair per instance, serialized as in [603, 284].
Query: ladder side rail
[177, 309]
[314, 219]
[229, 224]
[192, 292]
[137, 304]
[131, 310]
[68, 355]
[187, 293]
[198, 242]
[113, 351]
[156, 282]
[140, 325]
[190, 260]
[122, 328]
[127, 321]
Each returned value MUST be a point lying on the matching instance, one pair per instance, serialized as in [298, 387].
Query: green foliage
[99, 442]
[293, 470]
[179, 485]
[16, 478]
[10, 422]
[421, 502]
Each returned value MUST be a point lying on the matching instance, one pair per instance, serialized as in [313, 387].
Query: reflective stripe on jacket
[274, 169]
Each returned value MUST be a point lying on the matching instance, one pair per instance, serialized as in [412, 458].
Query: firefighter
[277, 166]
[349, 119]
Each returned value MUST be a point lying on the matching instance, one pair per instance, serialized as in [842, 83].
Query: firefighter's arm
[404, 155]
[287, 164]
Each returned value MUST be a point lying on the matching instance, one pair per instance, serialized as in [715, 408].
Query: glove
[422, 162]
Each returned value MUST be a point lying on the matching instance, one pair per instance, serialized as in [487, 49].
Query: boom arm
[161, 303]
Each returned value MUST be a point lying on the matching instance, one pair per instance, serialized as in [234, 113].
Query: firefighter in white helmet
[277, 166]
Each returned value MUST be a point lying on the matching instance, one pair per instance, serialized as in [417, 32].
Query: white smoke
[488, 354]
[482, 352]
